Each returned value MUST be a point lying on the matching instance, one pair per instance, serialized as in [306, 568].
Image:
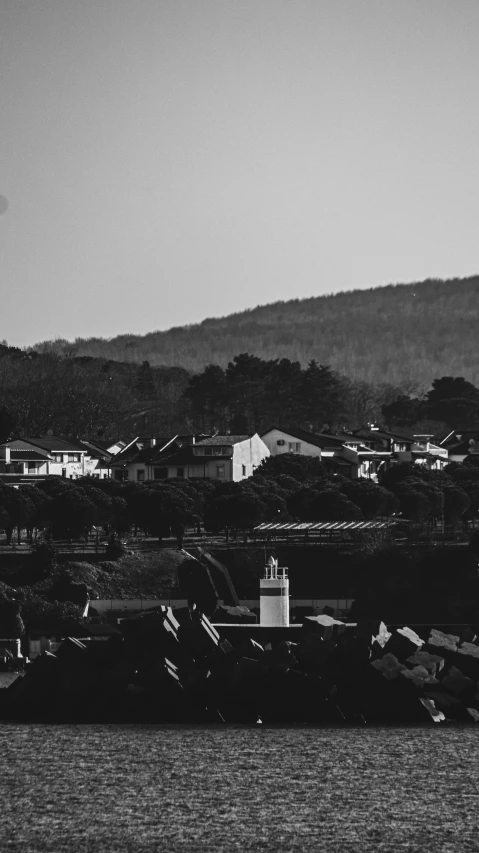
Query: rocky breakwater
[164, 667]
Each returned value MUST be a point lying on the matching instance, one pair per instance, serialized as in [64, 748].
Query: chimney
[152, 442]
[5, 453]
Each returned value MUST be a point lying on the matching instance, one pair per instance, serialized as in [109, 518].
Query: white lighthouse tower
[274, 596]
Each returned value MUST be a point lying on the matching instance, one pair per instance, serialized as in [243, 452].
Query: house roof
[95, 451]
[19, 445]
[320, 440]
[27, 455]
[139, 450]
[460, 448]
[186, 456]
[383, 434]
[53, 444]
[223, 440]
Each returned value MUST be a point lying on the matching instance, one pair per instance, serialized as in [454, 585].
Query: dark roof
[95, 451]
[223, 440]
[140, 451]
[20, 444]
[460, 448]
[28, 455]
[384, 435]
[320, 440]
[53, 443]
[186, 456]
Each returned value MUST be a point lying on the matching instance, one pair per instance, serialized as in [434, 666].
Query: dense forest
[84, 397]
[400, 334]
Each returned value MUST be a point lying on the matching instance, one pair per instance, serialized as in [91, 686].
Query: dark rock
[403, 643]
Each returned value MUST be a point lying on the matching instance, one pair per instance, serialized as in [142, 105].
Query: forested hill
[397, 334]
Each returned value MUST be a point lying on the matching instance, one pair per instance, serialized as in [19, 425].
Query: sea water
[132, 789]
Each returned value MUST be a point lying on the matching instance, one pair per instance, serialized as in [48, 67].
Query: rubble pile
[164, 667]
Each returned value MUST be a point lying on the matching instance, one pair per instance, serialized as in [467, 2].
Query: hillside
[396, 334]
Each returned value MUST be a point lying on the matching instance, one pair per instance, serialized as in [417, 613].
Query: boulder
[451, 706]
[233, 615]
[474, 714]
[433, 663]
[457, 684]
[403, 642]
[326, 626]
[436, 715]
[440, 643]
[388, 666]
[419, 676]
[468, 659]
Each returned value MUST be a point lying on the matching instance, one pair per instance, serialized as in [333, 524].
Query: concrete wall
[102, 605]
[247, 455]
[272, 437]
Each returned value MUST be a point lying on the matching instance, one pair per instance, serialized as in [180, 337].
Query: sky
[164, 161]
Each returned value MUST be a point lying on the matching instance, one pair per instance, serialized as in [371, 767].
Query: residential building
[229, 458]
[341, 454]
[461, 444]
[403, 447]
[97, 462]
[139, 459]
[42, 456]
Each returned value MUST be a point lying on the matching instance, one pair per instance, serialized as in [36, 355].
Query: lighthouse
[274, 596]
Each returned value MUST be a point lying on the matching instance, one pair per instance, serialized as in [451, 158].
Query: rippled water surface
[156, 788]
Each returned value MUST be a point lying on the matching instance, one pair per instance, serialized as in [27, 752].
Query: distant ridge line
[396, 333]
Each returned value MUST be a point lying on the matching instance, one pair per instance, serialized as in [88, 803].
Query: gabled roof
[320, 440]
[23, 445]
[223, 440]
[27, 455]
[95, 451]
[140, 450]
[52, 443]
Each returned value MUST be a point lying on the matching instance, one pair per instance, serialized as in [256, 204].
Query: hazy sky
[169, 160]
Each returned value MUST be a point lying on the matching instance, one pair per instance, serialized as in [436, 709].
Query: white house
[279, 441]
[229, 458]
[46, 455]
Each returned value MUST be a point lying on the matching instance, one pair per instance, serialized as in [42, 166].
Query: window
[220, 472]
[73, 457]
[217, 451]
[160, 473]
[180, 472]
[57, 457]
[31, 467]
[140, 474]
[243, 470]
[281, 442]
[294, 446]
[117, 474]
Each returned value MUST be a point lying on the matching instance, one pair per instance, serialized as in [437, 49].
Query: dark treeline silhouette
[283, 488]
[78, 396]
[83, 397]
[252, 394]
[400, 334]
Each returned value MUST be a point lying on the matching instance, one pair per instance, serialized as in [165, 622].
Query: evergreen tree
[145, 384]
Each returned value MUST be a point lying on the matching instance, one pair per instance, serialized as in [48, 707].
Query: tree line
[82, 397]
[283, 488]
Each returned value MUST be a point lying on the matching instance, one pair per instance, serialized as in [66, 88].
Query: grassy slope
[148, 575]
[394, 333]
